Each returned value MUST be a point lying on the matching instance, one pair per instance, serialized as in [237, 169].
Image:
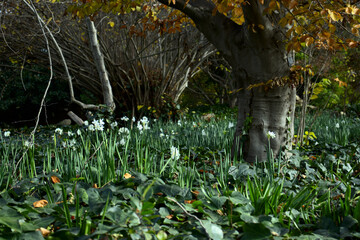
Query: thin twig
[187, 213]
[97, 149]
[32, 134]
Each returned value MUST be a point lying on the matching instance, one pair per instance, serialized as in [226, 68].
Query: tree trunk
[100, 65]
[261, 111]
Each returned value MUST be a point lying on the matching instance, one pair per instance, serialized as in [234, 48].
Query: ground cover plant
[177, 180]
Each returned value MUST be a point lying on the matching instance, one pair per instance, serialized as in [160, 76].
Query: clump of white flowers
[271, 135]
[28, 144]
[125, 119]
[7, 134]
[69, 144]
[174, 153]
[91, 127]
[143, 124]
[59, 131]
[231, 125]
[167, 136]
[140, 127]
[122, 142]
[203, 132]
[124, 130]
[98, 124]
[113, 125]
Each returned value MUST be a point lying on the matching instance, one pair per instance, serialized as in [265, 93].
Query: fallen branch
[75, 118]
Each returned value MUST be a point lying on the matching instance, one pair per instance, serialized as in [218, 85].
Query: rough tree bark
[256, 52]
[100, 65]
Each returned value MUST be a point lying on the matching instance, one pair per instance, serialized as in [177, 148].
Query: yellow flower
[310, 135]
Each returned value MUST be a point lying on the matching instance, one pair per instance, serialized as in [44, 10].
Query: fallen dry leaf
[220, 212]
[127, 175]
[44, 231]
[55, 179]
[196, 193]
[40, 203]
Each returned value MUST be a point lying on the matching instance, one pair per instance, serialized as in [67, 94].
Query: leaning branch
[100, 64]
[71, 88]
[220, 30]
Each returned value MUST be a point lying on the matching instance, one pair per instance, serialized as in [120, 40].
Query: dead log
[75, 118]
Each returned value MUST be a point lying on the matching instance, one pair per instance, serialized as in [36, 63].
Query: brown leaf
[355, 31]
[356, 11]
[189, 201]
[220, 212]
[299, 29]
[214, 11]
[309, 41]
[44, 231]
[55, 179]
[95, 185]
[283, 22]
[170, 216]
[292, 4]
[335, 16]
[196, 193]
[237, 12]
[296, 46]
[40, 203]
[278, 209]
[341, 83]
[353, 44]
[127, 175]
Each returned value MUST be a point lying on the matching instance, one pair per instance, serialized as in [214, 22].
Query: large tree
[258, 38]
